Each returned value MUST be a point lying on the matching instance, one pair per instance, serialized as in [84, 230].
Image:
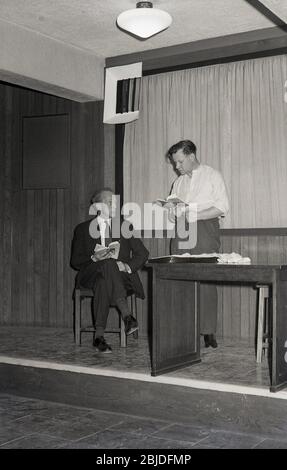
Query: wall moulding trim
[267, 41]
[235, 232]
[254, 232]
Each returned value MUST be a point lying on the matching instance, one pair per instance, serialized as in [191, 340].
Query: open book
[173, 198]
[113, 250]
[186, 258]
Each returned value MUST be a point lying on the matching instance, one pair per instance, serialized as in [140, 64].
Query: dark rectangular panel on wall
[46, 152]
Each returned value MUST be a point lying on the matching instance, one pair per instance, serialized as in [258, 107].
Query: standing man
[202, 187]
[110, 278]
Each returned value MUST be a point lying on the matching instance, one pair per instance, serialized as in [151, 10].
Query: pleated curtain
[236, 114]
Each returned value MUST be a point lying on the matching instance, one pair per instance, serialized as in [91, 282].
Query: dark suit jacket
[132, 251]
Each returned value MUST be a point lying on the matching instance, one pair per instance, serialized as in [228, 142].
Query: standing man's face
[109, 205]
[183, 163]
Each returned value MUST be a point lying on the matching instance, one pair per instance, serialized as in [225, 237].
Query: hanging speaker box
[122, 93]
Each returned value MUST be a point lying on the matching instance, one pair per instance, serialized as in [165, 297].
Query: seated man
[110, 275]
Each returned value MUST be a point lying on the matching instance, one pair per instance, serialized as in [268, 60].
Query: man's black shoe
[101, 345]
[131, 325]
[210, 340]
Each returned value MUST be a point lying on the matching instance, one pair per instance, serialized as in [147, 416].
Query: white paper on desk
[203, 255]
[185, 255]
[232, 258]
[223, 258]
[188, 255]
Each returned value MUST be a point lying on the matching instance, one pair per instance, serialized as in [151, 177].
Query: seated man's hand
[124, 267]
[101, 255]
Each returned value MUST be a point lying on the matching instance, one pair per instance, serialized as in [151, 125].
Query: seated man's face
[109, 205]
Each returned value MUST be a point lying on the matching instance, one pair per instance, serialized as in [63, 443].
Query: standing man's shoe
[131, 325]
[101, 345]
[210, 340]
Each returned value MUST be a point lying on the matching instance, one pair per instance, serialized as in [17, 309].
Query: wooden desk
[176, 330]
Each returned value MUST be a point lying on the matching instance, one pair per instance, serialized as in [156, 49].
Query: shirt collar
[197, 168]
[103, 221]
[194, 171]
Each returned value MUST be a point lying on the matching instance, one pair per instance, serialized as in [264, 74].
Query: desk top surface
[206, 265]
[211, 261]
[235, 273]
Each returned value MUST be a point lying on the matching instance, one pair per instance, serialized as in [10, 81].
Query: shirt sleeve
[219, 192]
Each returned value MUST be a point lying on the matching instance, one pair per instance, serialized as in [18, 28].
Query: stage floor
[231, 367]
[226, 393]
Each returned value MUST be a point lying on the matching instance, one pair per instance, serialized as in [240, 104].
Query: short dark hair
[97, 195]
[187, 146]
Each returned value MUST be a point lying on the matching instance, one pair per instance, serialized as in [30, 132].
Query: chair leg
[135, 314]
[123, 337]
[78, 317]
[136, 334]
[260, 326]
[266, 328]
[93, 320]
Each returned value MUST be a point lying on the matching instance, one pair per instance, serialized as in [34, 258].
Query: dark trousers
[208, 241]
[109, 284]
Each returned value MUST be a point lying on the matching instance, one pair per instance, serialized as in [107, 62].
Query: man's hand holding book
[105, 252]
[171, 201]
[175, 206]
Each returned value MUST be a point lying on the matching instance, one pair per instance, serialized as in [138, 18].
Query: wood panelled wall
[236, 304]
[36, 226]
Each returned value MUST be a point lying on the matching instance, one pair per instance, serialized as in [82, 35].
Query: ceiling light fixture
[144, 21]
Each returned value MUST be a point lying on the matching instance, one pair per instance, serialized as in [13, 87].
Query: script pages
[111, 251]
[173, 199]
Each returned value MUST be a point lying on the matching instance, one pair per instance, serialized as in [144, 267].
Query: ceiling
[91, 24]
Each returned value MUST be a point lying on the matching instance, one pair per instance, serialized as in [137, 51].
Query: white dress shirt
[205, 188]
[102, 225]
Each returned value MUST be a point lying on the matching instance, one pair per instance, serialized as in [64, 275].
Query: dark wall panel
[46, 151]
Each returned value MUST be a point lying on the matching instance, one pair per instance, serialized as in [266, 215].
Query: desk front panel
[175, 325]
[279, 333]
[218, 272]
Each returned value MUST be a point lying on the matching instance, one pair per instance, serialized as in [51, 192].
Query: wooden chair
[79, 295]
[262, 332]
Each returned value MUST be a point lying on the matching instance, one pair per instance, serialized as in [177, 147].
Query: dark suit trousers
[109, 284]
[208, 241]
